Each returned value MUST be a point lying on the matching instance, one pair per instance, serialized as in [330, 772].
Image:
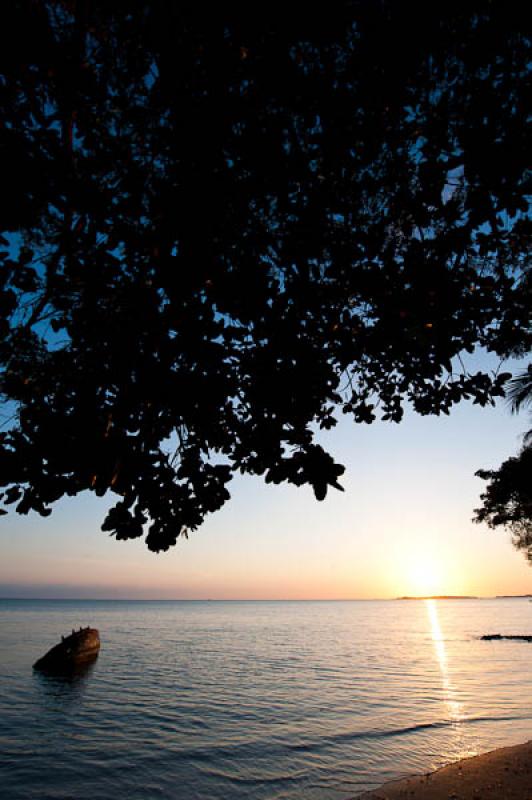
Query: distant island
[513, 596]
[441, 597]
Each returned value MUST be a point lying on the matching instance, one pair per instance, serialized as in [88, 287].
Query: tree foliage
[519, 390]
[507, 500]
[223, 227]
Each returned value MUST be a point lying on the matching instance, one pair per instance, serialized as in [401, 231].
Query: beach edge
[504, 772]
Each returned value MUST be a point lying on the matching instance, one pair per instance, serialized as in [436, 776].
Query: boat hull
[81, 647]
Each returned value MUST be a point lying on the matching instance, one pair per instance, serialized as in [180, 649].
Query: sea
[257, 700]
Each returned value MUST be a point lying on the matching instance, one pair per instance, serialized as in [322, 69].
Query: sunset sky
[402, 526]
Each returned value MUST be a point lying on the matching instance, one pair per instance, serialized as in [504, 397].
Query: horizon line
[267, 599]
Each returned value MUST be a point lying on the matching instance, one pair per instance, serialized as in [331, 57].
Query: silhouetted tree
[507, 501]
[221, 227]
[519, 390]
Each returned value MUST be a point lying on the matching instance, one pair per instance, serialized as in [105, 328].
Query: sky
[402, 527]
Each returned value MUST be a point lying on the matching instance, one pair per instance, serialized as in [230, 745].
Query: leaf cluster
[507, 500]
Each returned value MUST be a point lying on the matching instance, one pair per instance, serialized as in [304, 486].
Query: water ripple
[263, 701]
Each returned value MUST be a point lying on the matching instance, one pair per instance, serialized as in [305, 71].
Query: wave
[351, 736]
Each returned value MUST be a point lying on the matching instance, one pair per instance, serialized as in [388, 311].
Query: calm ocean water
[284, 700]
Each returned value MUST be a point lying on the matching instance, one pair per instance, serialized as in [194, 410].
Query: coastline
[502, 773]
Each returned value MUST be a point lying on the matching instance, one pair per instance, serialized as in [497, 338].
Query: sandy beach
[503, 774]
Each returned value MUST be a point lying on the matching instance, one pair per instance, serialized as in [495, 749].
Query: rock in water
[79, 648]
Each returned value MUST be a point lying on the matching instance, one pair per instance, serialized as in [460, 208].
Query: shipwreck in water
[79, 648]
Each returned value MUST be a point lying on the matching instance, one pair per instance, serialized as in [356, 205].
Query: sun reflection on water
[462, 744]
[454, 707]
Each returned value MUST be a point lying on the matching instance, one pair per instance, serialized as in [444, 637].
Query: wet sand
[503, 774]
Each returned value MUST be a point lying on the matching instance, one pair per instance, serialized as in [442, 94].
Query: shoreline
[502, 773]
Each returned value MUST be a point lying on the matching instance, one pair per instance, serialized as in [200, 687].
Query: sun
[423, 575]
[426, 569]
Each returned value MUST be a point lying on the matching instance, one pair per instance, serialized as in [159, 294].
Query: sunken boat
[79, 648]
